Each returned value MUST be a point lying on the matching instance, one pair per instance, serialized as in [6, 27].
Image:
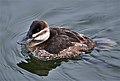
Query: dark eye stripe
[41, 33]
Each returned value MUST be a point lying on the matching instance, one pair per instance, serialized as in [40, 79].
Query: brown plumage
[63, 43]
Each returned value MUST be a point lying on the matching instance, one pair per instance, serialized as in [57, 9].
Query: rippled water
[99, 18]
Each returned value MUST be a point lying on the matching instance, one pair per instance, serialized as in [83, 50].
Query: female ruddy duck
[49, 43]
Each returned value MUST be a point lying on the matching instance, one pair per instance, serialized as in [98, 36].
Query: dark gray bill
[24, 41]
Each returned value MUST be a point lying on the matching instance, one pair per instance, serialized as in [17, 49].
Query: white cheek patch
[43, 37]
[36, 34]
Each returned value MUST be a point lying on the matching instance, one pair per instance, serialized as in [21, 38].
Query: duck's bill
[24, 41]
[21, 42]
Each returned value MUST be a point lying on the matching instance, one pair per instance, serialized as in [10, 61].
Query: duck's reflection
[41, 68]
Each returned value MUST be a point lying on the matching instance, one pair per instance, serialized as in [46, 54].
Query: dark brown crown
[36, 27]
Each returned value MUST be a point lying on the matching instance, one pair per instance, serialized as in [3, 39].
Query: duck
[51, 43]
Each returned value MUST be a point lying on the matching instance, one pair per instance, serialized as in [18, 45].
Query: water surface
[99, 18]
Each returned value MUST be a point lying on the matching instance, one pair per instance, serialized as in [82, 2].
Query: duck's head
[37, 34]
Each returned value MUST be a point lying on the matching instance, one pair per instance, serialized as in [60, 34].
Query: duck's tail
[104, 44]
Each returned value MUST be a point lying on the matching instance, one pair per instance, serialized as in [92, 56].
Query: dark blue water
[99, 18]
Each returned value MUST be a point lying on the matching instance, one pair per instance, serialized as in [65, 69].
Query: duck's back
[64, 41]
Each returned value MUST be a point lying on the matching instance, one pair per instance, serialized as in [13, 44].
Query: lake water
[99, 18]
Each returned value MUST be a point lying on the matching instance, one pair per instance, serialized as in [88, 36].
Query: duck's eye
[37, 30]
